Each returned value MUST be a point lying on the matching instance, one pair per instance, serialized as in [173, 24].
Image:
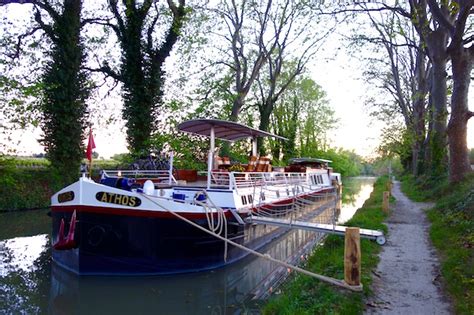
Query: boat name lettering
[66, 196]
[118, 199]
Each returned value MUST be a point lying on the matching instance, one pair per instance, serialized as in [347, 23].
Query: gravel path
[406, 279]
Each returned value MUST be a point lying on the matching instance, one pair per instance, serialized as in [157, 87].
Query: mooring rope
[326, 279]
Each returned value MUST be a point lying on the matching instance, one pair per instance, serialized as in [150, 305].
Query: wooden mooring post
[389, 187]
[385, 203]
[352, 257]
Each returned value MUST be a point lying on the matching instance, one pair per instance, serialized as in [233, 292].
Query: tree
[435, 37]
[144, 53]
[453, 19]
[297, 40]
[65, 85]
[403, 74]
[304, 118]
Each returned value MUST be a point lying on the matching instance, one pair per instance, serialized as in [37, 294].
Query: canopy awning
[308, 160]
[224, 130]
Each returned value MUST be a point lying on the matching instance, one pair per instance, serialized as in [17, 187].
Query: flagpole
[90, 161]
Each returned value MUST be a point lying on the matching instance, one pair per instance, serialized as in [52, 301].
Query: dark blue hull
[112, 241]
[127, 245]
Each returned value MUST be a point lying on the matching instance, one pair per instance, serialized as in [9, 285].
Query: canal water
[31, 284]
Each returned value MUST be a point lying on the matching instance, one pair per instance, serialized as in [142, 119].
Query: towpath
[406, 279]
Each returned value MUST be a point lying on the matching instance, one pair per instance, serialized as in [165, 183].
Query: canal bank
[305, 295]
[31, 284]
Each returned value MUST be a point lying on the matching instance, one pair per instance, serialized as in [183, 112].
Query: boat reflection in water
[234, 289]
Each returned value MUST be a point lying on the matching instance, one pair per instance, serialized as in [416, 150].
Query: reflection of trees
[350, 189]
[25, 292]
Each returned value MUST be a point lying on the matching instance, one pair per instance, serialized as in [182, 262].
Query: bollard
[352, 258]
[385, 204]
[389, 187]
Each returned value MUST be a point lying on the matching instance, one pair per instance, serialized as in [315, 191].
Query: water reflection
[228, 290]
[25, 274]
[355, 192]
[30, 284]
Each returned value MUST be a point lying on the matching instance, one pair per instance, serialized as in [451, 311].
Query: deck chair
[218, 162]
[225, 162]
[262, 164]
[251, 165]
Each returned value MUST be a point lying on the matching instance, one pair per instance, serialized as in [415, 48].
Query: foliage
[65, 88]
[305, 295]
[22, 188]
[237, 168]
[452, 233]
[142, 64]
[348, 163]
[304, 117]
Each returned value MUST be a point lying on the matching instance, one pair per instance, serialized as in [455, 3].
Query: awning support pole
[210, 158]
[254, 146]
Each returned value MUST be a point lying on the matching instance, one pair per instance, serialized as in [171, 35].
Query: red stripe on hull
[132, 212]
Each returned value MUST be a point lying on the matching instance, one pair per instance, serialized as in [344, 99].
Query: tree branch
[105, 69]
[470, 114]
[440, 17]
[45, 27]
[18, 45]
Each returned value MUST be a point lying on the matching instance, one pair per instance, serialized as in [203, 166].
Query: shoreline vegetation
[451, 233]
[28, 184]
[304, 295]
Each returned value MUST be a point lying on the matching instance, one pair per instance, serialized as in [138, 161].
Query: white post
[254, 146]
[210, 158]
[171, 168]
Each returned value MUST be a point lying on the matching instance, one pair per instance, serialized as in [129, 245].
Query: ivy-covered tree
[63, 106]
[141, 70]
[65, 87]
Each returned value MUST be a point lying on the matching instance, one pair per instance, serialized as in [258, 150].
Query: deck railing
[163, 177]
[238, 180]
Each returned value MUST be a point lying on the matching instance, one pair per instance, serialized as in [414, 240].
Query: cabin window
[262, 195]
[320, 180]
[250, 198]
[287, 191]
[278, 194]
[313, 180]
[244, 199]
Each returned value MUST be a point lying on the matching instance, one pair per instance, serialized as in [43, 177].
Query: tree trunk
[419, 113]
[459, 164]
[438, 135]
[265, 113]
[236, 106]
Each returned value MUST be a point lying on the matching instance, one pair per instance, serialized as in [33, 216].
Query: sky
[338, 74]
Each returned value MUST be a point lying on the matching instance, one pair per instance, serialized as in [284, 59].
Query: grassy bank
[24, 188]
[305, 295]
[452, 233]
[27, 184]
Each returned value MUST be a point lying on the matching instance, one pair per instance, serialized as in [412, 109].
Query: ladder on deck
[378, 236]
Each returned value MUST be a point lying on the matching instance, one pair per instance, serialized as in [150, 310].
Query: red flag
[90, 146]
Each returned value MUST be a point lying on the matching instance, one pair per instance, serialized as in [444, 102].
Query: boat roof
[308, 160]
[223, 129]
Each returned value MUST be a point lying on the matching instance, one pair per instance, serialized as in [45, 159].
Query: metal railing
[238, 180]
[157, 176]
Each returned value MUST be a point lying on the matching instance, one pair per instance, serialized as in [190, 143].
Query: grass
[305, 295]
[452, 233]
